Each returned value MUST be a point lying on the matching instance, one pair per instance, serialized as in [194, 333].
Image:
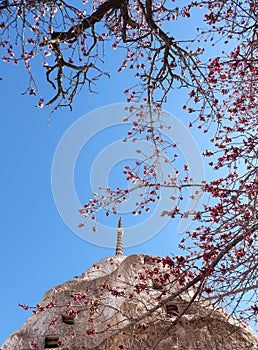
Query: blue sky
[38, 251]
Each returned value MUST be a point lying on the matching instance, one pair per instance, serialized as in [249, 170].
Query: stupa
[114, 305]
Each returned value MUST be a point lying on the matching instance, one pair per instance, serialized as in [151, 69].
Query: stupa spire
[119, 243]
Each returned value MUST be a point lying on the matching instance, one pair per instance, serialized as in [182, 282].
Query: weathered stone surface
[107, 307]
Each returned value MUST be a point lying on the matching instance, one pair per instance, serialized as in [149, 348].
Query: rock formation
[128, 303]
[109, 306]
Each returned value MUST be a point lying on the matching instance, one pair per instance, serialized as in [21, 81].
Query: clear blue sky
[38, 251]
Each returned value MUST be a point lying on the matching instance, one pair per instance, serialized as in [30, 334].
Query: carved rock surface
[104, 308]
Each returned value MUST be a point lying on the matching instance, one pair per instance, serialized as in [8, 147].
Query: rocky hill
[114, 306]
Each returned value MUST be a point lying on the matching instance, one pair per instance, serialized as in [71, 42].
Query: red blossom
[90, 331]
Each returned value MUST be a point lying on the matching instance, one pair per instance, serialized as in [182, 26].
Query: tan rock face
[109, 307]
